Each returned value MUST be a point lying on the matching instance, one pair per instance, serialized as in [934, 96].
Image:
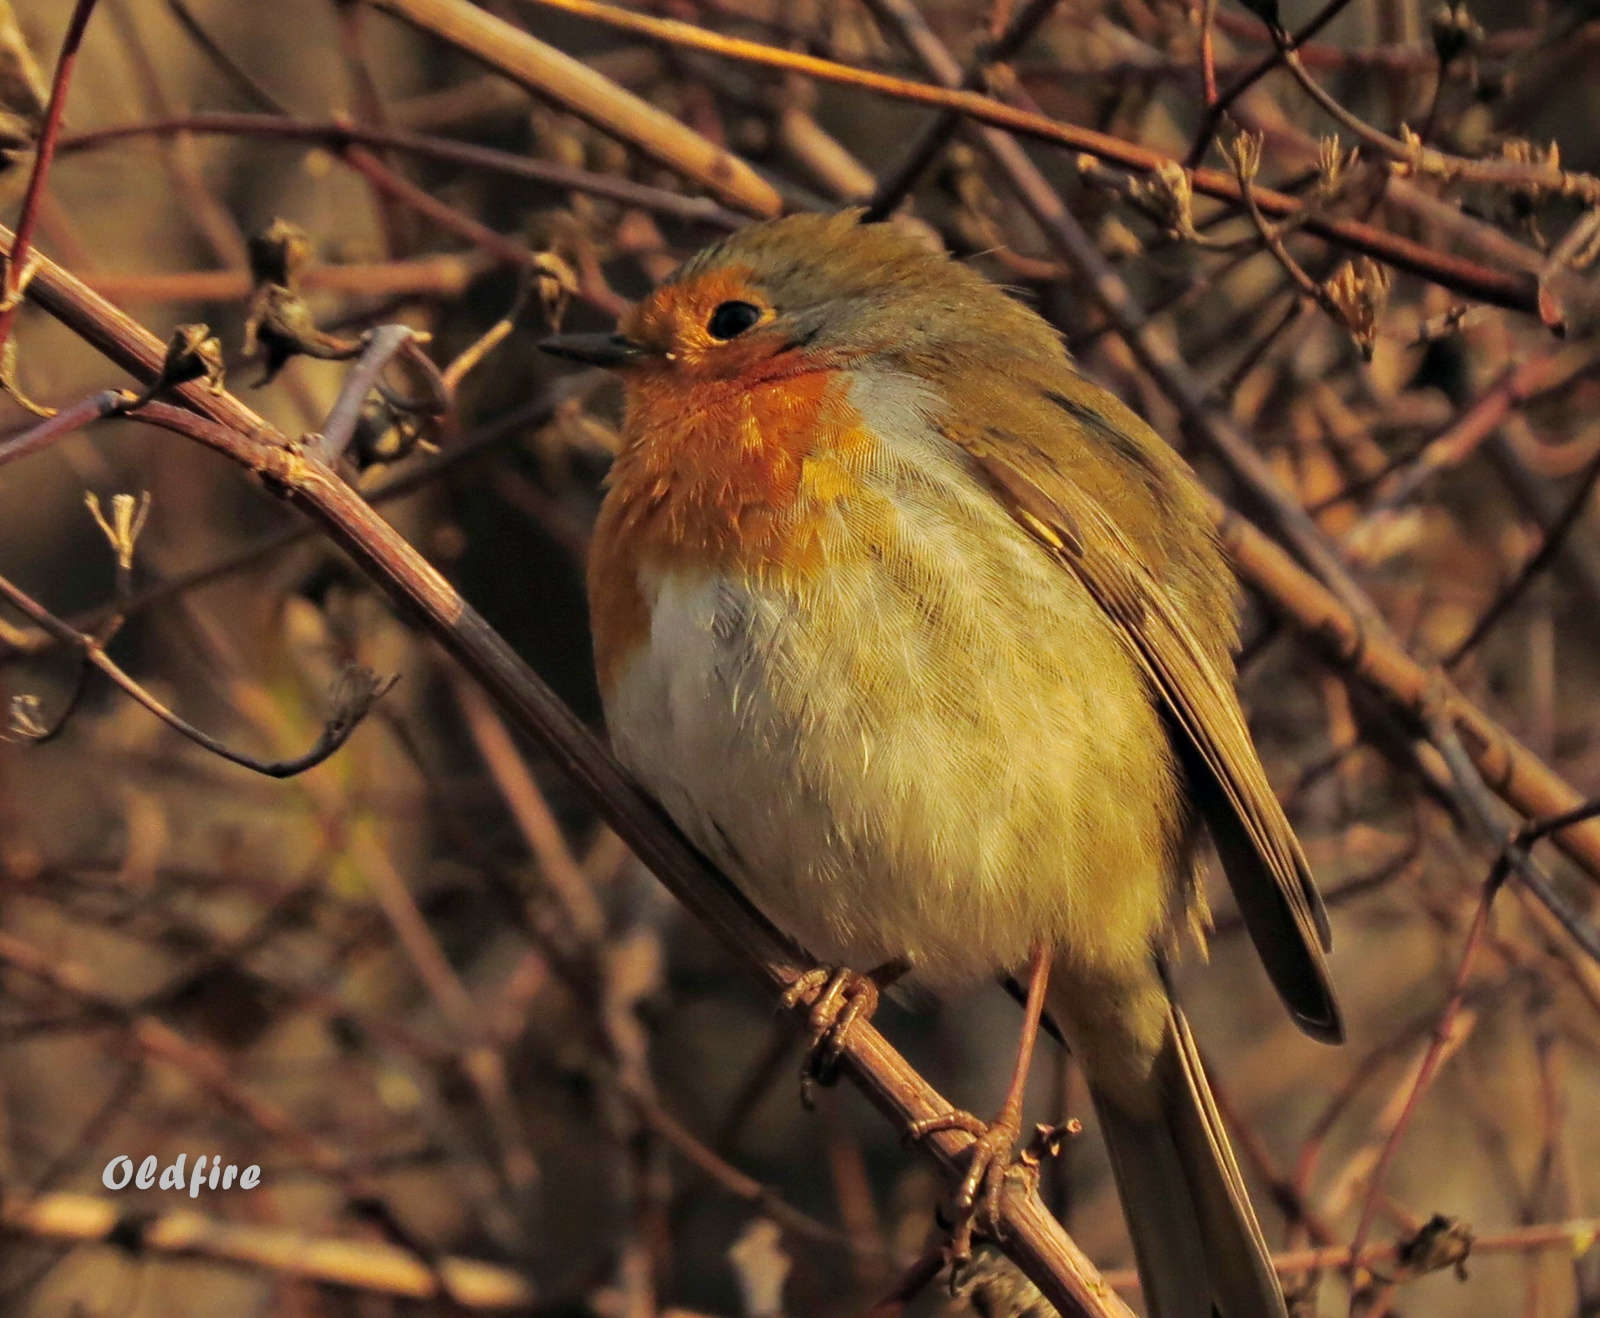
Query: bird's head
[810, 292]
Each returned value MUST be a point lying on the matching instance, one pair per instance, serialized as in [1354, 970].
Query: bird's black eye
[732, 319]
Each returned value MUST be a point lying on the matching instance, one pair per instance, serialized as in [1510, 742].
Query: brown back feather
[1100, 492]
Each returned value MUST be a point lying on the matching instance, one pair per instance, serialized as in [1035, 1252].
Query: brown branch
[155, 1039]
[20, 444]
[731, 1179]
[439, 276]
[1511, 770]
[559, 77]
[899, 181]
[534, 818]
[1443, 1033]
[1418, 158]
[339, 429]
[1549, 546]
[225, 63]
[415, 477]
[1518, 385]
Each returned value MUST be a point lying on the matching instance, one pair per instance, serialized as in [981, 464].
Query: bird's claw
[977, 1200]
[845, 998]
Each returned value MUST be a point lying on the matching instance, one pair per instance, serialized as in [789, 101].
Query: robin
[927, 641]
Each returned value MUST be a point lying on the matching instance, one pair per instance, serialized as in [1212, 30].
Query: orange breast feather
[722, 477]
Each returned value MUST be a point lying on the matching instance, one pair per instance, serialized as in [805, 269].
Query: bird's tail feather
[1198, 1245]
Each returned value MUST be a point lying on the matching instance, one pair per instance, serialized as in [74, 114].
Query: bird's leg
[994, 1146]
[846, 998]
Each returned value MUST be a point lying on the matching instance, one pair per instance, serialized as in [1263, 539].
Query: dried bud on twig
[1334, 163]
[278, 253]
[1441, 1242]
[278, 323]
[1168, 191]
[280, 326]
[1243, 154]
[193, 353]
[1360, 291]
[558, 285]
[353, 693]
[1525, 197]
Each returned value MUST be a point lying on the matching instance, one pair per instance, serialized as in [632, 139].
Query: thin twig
[252, 89]
[1549, 546]
[345, 415]
[902, 178]
[338, 134]
[16, 267]
[20, 444]
[1514, 1240]
[1217, 106]
[351, 699]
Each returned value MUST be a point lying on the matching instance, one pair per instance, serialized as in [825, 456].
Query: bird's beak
[595, 349]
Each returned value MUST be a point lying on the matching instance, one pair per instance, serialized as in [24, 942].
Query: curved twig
[353, 694]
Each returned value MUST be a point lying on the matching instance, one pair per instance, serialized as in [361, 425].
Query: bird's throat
[721, 477]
